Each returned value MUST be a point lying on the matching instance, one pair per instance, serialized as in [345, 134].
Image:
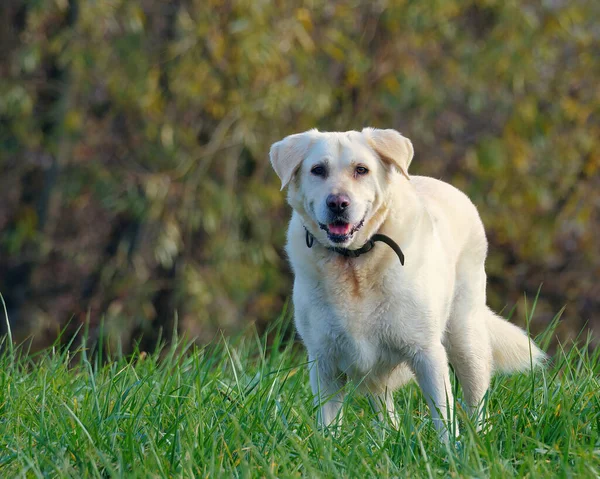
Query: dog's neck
[405, 216]
[366, 248]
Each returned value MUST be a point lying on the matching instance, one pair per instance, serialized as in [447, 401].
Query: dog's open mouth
[339, 231]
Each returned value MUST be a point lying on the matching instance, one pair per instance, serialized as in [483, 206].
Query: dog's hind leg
[380, 388]
[327, 387]
[468, 344]
[471, 357]
[431, 370]
[383, 403]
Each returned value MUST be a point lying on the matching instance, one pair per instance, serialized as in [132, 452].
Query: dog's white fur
[369, 318]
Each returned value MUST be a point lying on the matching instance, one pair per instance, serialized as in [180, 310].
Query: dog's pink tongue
[339, 229]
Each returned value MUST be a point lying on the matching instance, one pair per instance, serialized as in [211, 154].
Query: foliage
[134, 135]
[242, 408]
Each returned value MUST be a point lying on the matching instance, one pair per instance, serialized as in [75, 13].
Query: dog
[389, 278]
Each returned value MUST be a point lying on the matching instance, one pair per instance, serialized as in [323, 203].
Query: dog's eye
[318, 170]
[361, 170]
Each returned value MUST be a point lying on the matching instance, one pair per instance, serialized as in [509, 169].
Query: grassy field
[242, 408]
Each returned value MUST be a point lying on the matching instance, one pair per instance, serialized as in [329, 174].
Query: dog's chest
[363, 342]
[367, 330]
[363, 317]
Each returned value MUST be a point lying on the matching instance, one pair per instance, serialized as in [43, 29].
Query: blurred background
[135, 184]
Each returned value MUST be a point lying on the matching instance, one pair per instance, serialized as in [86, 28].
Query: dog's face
[339, 181]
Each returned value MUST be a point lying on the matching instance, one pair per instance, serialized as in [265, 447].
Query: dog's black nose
[337, 203]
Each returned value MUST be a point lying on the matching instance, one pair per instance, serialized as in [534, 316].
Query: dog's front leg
[430, 366]
[327, 387]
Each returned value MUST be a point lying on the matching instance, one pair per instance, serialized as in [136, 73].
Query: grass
[242, 408]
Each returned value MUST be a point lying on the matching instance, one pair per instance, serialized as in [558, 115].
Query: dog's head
[339, 181]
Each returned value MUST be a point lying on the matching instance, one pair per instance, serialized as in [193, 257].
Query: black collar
[368, 246]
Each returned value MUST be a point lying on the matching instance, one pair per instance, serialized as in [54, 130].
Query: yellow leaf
[303, 16]
[72, 121]
[391, 83]
[334, 51]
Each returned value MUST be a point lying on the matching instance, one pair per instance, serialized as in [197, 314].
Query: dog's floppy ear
[392, 147]
[287, 154]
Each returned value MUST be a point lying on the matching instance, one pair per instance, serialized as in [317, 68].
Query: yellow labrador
[364, 315]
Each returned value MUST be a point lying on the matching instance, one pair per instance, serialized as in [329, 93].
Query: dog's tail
[512, 350]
